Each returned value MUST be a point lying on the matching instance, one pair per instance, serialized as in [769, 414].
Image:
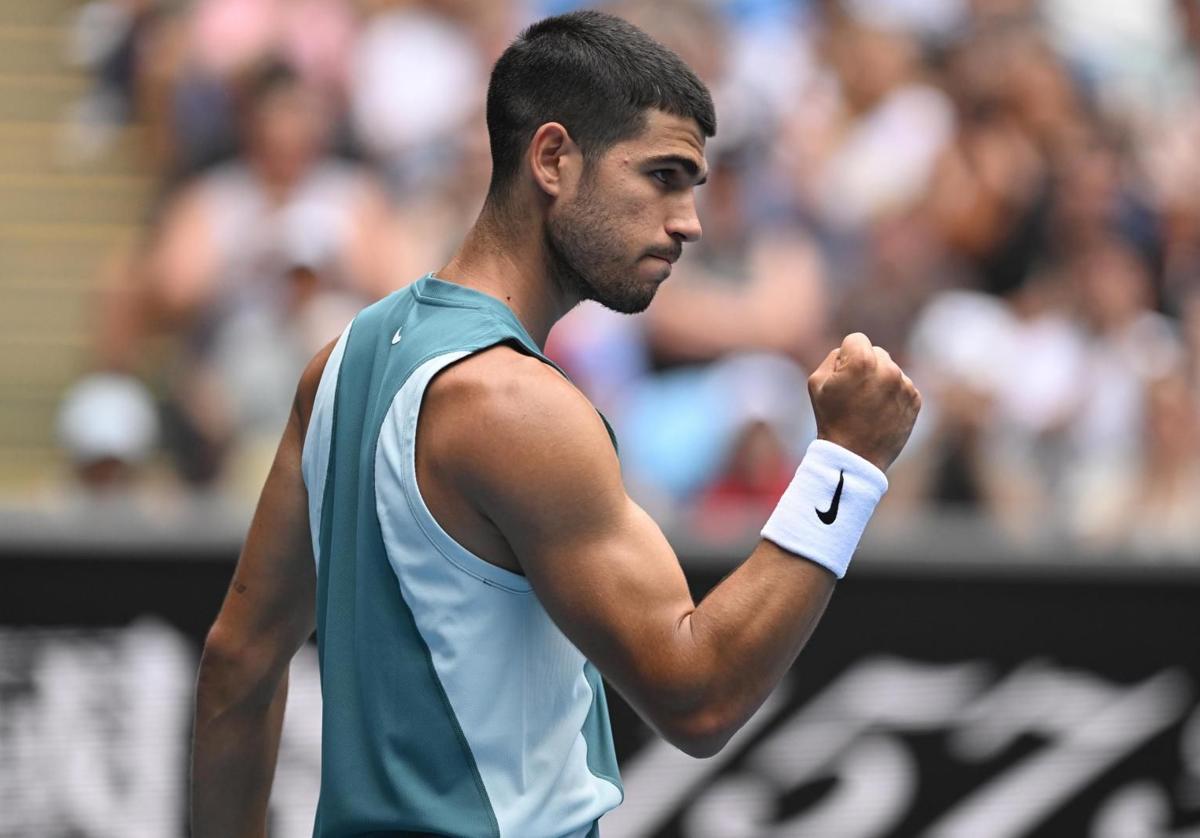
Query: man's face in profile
[616, 239]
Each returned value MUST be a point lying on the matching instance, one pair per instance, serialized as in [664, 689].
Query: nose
[684, 223]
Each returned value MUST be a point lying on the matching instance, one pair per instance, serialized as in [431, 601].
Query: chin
[628, 293]
[629, 304]
[630, 299]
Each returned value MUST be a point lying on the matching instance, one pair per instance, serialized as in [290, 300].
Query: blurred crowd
[1003, 193]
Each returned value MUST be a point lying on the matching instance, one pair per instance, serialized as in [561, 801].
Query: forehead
[666, 134]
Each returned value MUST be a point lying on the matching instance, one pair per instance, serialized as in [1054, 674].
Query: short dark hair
[594, 73]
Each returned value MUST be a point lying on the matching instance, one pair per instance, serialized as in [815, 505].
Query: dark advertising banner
[931, 702]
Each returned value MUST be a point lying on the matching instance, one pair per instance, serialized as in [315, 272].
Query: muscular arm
[267, 615]
[531, 455]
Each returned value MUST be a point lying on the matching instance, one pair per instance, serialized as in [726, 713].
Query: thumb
[855, 347]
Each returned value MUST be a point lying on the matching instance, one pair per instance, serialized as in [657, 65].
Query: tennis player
[447, 510]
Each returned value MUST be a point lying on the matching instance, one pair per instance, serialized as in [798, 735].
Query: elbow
[232, 674]
[702, 733]
[690, 697]
[223, 651]
[692, 711]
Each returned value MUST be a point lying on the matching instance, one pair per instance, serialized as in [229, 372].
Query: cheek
[632, 200]
[619, 219]
[640, 223]
[613, 228]
[639, 201]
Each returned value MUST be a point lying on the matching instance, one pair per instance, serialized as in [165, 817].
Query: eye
[663, 176]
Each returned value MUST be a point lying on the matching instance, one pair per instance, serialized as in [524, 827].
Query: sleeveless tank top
[453, 705]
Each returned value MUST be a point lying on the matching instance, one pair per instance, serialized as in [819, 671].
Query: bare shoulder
[504, 390]
[501, 415]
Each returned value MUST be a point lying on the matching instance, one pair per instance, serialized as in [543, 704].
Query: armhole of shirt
[314, 457]
[396, 486]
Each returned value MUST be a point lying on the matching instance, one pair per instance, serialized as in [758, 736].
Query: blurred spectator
[904, 264]
[1190, 310]
[315, 37]
[990, 188]
[178, 68]
[403, 41]
[1124, 50]
[108, 425]
[261, 261]
[1146, 500]
[108, 38]
[768, 424]
[198, 56]
[864, 141]
[1000, 383]
[1130, 345]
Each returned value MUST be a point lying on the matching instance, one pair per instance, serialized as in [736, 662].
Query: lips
[669, 258]
[668, 265]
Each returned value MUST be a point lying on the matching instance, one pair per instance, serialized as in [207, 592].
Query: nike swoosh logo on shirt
[396, 338]
[830, 514]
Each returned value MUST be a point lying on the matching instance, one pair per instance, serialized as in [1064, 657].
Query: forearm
[236, 744]
[749, 630]
[745, 635]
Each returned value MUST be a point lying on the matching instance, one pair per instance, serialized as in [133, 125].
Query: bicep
[600, 566]
[608, 578]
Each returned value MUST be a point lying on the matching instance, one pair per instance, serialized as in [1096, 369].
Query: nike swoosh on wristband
[830, 514]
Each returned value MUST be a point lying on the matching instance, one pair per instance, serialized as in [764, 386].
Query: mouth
[670, 257]
[666, 262]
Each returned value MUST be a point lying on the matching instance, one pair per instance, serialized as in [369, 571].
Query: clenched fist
[863, 401]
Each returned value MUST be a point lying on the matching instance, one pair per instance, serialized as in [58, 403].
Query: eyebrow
[685, 163]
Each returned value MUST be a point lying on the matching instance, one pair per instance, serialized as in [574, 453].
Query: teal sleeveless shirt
[452, 703]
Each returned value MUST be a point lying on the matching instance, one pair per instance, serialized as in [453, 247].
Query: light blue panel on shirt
[517, 685]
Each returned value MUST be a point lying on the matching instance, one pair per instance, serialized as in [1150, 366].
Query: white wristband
[825, 509]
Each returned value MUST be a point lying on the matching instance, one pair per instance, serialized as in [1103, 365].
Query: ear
[554, 159]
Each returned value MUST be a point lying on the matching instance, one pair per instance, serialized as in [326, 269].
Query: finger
[911, 391]
[881, 355]
[821, 374]
[855, 347]
[827, 366]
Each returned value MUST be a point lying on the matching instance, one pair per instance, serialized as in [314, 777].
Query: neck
[506, 259]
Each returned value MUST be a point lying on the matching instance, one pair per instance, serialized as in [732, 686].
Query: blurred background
[196, 195]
